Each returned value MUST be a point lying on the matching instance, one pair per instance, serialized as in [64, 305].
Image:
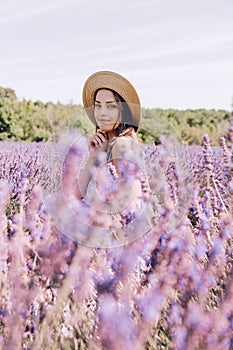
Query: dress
[119, 211]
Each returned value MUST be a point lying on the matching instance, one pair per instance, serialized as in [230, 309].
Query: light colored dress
[118, 210]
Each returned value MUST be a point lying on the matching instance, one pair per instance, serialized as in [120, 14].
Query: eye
[97, 106]
[112, 106]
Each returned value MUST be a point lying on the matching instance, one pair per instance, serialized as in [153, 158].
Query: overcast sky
[177, 53]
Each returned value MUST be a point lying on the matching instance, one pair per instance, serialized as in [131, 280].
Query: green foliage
[189, 125]
[7, 93]
[37, 121]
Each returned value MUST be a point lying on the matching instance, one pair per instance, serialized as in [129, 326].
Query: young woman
[111, 178]
[112, 104]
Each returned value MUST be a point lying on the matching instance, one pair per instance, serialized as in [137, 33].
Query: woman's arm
[76, 175]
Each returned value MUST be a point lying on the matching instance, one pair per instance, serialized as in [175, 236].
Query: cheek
[95, 113]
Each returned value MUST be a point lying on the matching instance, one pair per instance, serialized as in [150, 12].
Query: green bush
[37, 121]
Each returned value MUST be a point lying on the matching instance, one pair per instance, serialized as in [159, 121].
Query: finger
[93, 143]
[98, 139]
[101, 136]
[96, 142]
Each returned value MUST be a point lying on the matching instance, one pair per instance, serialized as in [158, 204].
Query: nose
[103, 110]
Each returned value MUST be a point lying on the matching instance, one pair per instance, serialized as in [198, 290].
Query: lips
[104, 120]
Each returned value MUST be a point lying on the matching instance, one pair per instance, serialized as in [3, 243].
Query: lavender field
[168, 289]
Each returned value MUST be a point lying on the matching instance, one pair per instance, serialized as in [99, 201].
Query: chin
[104, 128]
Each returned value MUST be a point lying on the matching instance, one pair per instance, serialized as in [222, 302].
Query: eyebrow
[105, 102]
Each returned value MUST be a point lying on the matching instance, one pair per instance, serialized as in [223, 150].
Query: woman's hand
[96, 143]
[98, 140]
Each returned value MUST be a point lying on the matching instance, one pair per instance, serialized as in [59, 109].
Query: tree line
[36, 121]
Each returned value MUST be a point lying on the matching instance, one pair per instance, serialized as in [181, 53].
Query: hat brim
[115, 82]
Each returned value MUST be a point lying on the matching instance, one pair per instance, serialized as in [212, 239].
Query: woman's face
[107, 110]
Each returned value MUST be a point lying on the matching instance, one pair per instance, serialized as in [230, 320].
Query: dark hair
[127, 118]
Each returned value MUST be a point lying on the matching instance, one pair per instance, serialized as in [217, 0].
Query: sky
[177, 53]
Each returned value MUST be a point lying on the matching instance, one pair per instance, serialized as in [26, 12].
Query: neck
[110, 135]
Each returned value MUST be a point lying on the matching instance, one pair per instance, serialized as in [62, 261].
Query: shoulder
[124, 144]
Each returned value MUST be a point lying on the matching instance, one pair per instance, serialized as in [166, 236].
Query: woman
[111, 179]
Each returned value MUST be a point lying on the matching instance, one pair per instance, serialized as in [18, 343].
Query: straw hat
[115, 82]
